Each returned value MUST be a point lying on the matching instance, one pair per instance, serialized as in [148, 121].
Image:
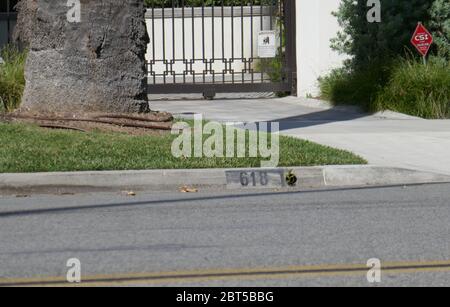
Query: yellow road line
[233, 274]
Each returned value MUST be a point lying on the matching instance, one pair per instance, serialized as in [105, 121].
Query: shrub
[418, 89]
[381, 73]
[367, 42]
[355, 87]
[440, 25]
[12, 80]
[408, 87]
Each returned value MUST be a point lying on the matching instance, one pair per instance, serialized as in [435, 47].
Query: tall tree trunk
[96, 64]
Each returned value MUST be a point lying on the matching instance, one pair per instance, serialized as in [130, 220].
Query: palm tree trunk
[91, 64]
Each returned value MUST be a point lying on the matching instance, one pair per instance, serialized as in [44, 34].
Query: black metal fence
[215, 46]
[8, 18]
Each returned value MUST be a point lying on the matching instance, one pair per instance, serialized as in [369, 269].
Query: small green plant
[12, 79]
[273, 67]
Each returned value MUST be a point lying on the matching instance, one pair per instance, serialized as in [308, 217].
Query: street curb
[172, 180]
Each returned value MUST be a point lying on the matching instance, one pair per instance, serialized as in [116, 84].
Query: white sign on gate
[267, 44]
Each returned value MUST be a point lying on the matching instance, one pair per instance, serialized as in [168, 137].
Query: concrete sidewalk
[385, 139]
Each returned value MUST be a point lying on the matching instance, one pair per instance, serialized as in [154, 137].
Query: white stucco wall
[315, 27]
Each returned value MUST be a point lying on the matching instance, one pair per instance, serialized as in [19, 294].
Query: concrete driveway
[385, 139]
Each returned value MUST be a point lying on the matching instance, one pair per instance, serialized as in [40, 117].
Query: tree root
[50, 126]
[146, 118]
[120, 120]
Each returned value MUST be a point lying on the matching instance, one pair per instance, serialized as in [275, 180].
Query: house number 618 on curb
[254, 178]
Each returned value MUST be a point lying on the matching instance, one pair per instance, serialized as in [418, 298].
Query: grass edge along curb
[27, 149]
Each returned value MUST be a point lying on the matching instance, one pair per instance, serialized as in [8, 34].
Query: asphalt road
[309, 238]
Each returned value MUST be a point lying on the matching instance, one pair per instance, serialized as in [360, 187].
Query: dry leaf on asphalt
[129, 193]
[186, 189]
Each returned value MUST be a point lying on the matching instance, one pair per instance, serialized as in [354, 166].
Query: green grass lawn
[26, 148]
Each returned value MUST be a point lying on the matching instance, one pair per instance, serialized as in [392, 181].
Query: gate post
[290, 28]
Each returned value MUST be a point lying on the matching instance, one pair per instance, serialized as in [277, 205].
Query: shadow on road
[19, 213]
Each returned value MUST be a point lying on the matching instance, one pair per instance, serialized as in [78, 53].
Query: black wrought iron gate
[214, 46]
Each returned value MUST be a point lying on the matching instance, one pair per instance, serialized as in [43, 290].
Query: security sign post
[422, 40]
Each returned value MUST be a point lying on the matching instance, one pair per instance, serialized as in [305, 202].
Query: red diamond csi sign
[422, 39]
